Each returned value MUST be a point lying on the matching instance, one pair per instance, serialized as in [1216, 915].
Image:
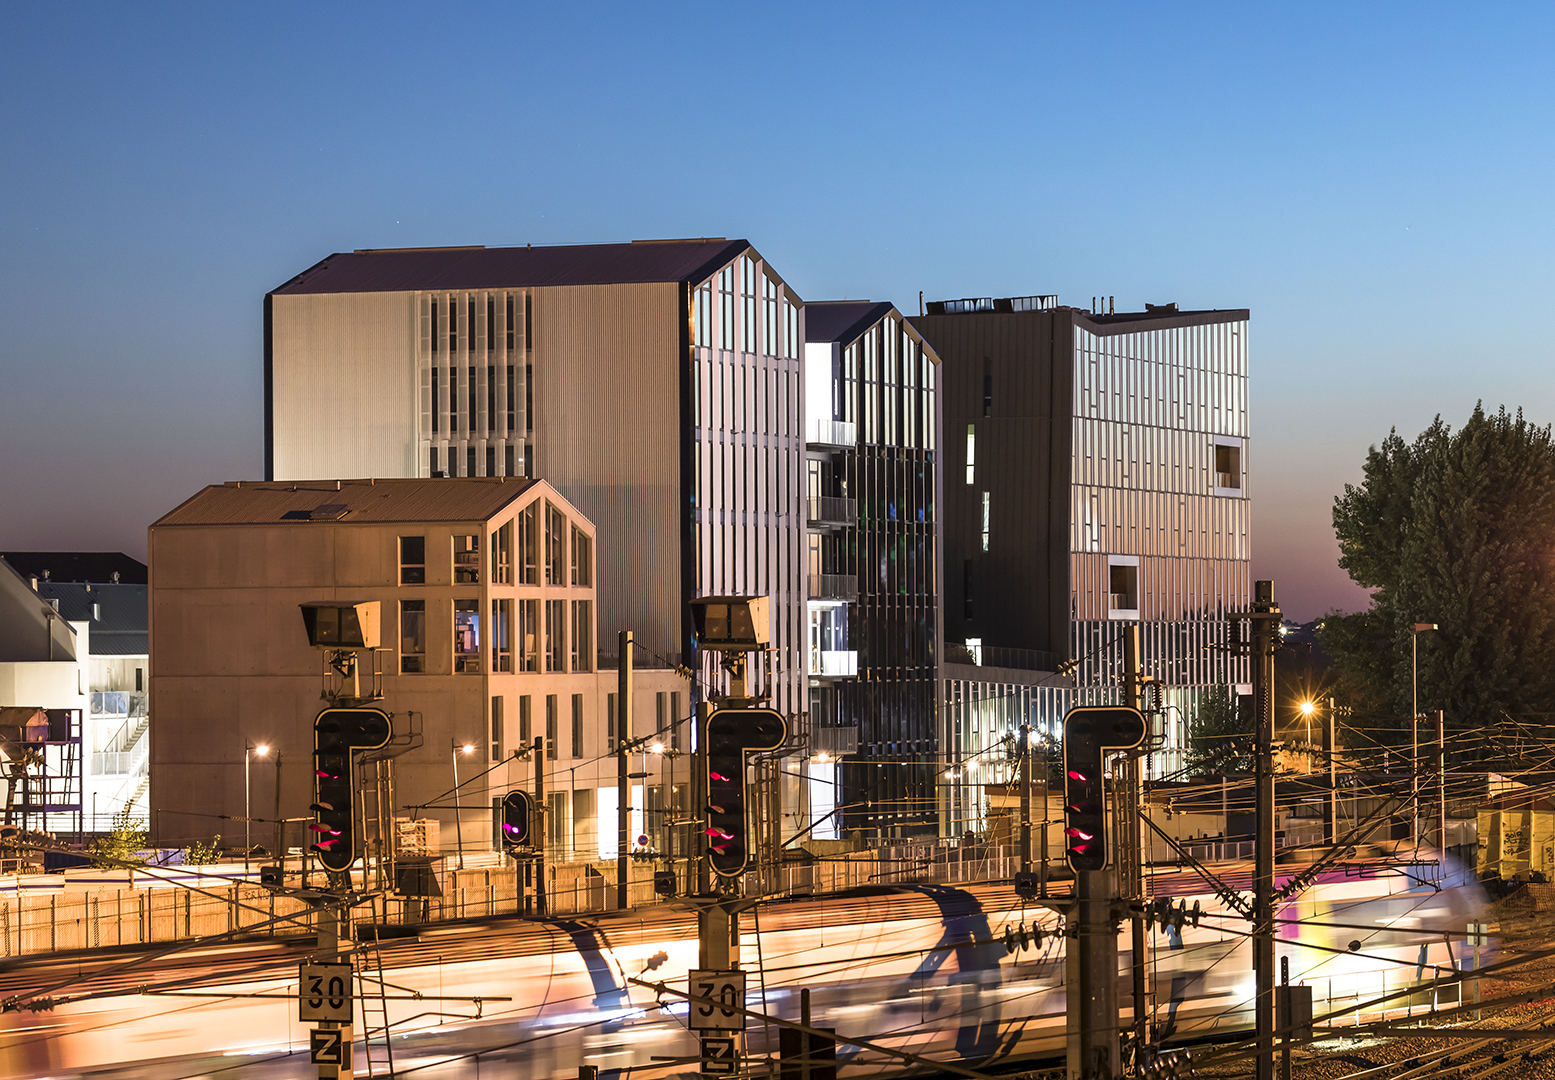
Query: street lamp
[249, 750]
[1414, 726]
[1307, 708]
[456, 749]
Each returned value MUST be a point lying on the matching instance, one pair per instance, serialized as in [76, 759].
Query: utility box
[1293, 1012]
[341, 626]
[732, 623]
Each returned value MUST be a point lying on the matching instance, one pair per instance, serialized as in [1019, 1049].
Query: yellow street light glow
[261, 749]
[467, 748]
[656, 748]
[1307, 708]
[822, 757]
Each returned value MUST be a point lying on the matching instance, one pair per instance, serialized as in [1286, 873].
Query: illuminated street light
[454, 751]
[656, 748]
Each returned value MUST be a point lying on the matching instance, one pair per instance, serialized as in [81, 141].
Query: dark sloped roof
[515, 267]
[841, 321]
[307, 501]
[118, 626]
[94, 566]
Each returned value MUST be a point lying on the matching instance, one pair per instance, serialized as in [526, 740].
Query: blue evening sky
[1372, 180]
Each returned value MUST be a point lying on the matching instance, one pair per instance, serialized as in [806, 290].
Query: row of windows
[887, 388]
[714, 320]
[480, 322]
[1110, 454]
[670, 721]
[519, 640]
[501, 458]
[1156, 523]
[516, 554]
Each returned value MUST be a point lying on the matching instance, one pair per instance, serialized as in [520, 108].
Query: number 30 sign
[712, 993]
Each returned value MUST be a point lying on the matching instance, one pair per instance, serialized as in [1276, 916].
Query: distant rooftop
[97, 567]
[249, 502]
[411, 269]
[115, 613]
[841, 321]
[976, 304]
[982, 305]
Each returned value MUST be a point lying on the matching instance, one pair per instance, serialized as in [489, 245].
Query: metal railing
[832, 433]
[832, 587]
[833, 665]
[829, 510]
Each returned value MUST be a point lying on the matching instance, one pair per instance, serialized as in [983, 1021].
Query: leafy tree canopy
[1458, 529]
[1218, 739]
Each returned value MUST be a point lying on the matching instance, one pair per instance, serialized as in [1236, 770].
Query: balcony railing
[832, 433]
[825, 510]
[832, 587]
[1121, 602]
[1227, 480]
[825, 664]
[993, 656]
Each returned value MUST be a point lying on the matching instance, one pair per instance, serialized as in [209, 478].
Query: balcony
[825, 512]
[832, 587]
[832, 434]
[833, 665]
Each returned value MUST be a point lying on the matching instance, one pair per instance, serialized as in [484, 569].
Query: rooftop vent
[324, 512]
[1161, 309]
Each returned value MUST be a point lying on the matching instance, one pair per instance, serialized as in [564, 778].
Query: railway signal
[731, 734]
[337, 735]
[516, 810]
[1090, 734]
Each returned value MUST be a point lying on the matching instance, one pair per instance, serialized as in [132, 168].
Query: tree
[1456, 529]
[1218, 739]
[122, 845]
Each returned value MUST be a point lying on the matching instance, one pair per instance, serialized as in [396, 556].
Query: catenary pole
[623, 782]
[1265, 618]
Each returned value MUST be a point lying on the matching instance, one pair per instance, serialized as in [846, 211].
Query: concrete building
[871, 556]
[487, 596]
[1097, 476]
[44, 664]
[656, 383]
[106, 592]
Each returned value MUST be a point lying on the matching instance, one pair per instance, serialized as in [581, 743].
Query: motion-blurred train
[925, 969]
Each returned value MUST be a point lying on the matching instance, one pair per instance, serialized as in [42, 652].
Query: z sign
[324, 992]
[727, 988]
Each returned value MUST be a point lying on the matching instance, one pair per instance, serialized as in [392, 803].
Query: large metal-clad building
[1096, 475]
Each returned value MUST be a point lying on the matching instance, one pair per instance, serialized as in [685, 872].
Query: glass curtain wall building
[871, 429]
[1098, 477]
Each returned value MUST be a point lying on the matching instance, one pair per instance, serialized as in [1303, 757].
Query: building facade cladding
[984, 709]
[1161, 509]
[487, 629]
[747, 456]
[475, 370]
[1147, 514]
[871, 488]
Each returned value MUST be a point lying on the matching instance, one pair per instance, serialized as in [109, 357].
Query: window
[582, 635]
[496, 729]
[140, 679]
[971, 453]
[453, 324]
[556, 635]
[413, 560]
[577, 725]
[1123, 587]
[658, 713]
[791, 326]
[453, 412]
[726, 307]
[529, 635]
[582, 558]
[510, 469]
[987, 386]
[611, 702]
[525, 722]
[502, 556]
[510, 345]
[748, 302]
[550, 726]
[467, 560]
[675, 719]
[491, 324]
[528, 544]
[469, 334]
[985, 521]
[413, 636]
[1228, 466]
[435, 306]
[467, 637]
[491, 460]
[469, 461]
[702, 314]
[555, 546]
[436, 397]
[770, 304]
[512, 419]
[470, 401]
[433, 470]
[557, 830]
[501, 643]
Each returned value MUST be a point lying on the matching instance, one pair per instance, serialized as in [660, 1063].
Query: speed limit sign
[324, 992]
[717, 998]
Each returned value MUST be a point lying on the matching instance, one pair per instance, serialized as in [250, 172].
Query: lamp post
[456, 749]
[249, 751]
[1414, 728]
